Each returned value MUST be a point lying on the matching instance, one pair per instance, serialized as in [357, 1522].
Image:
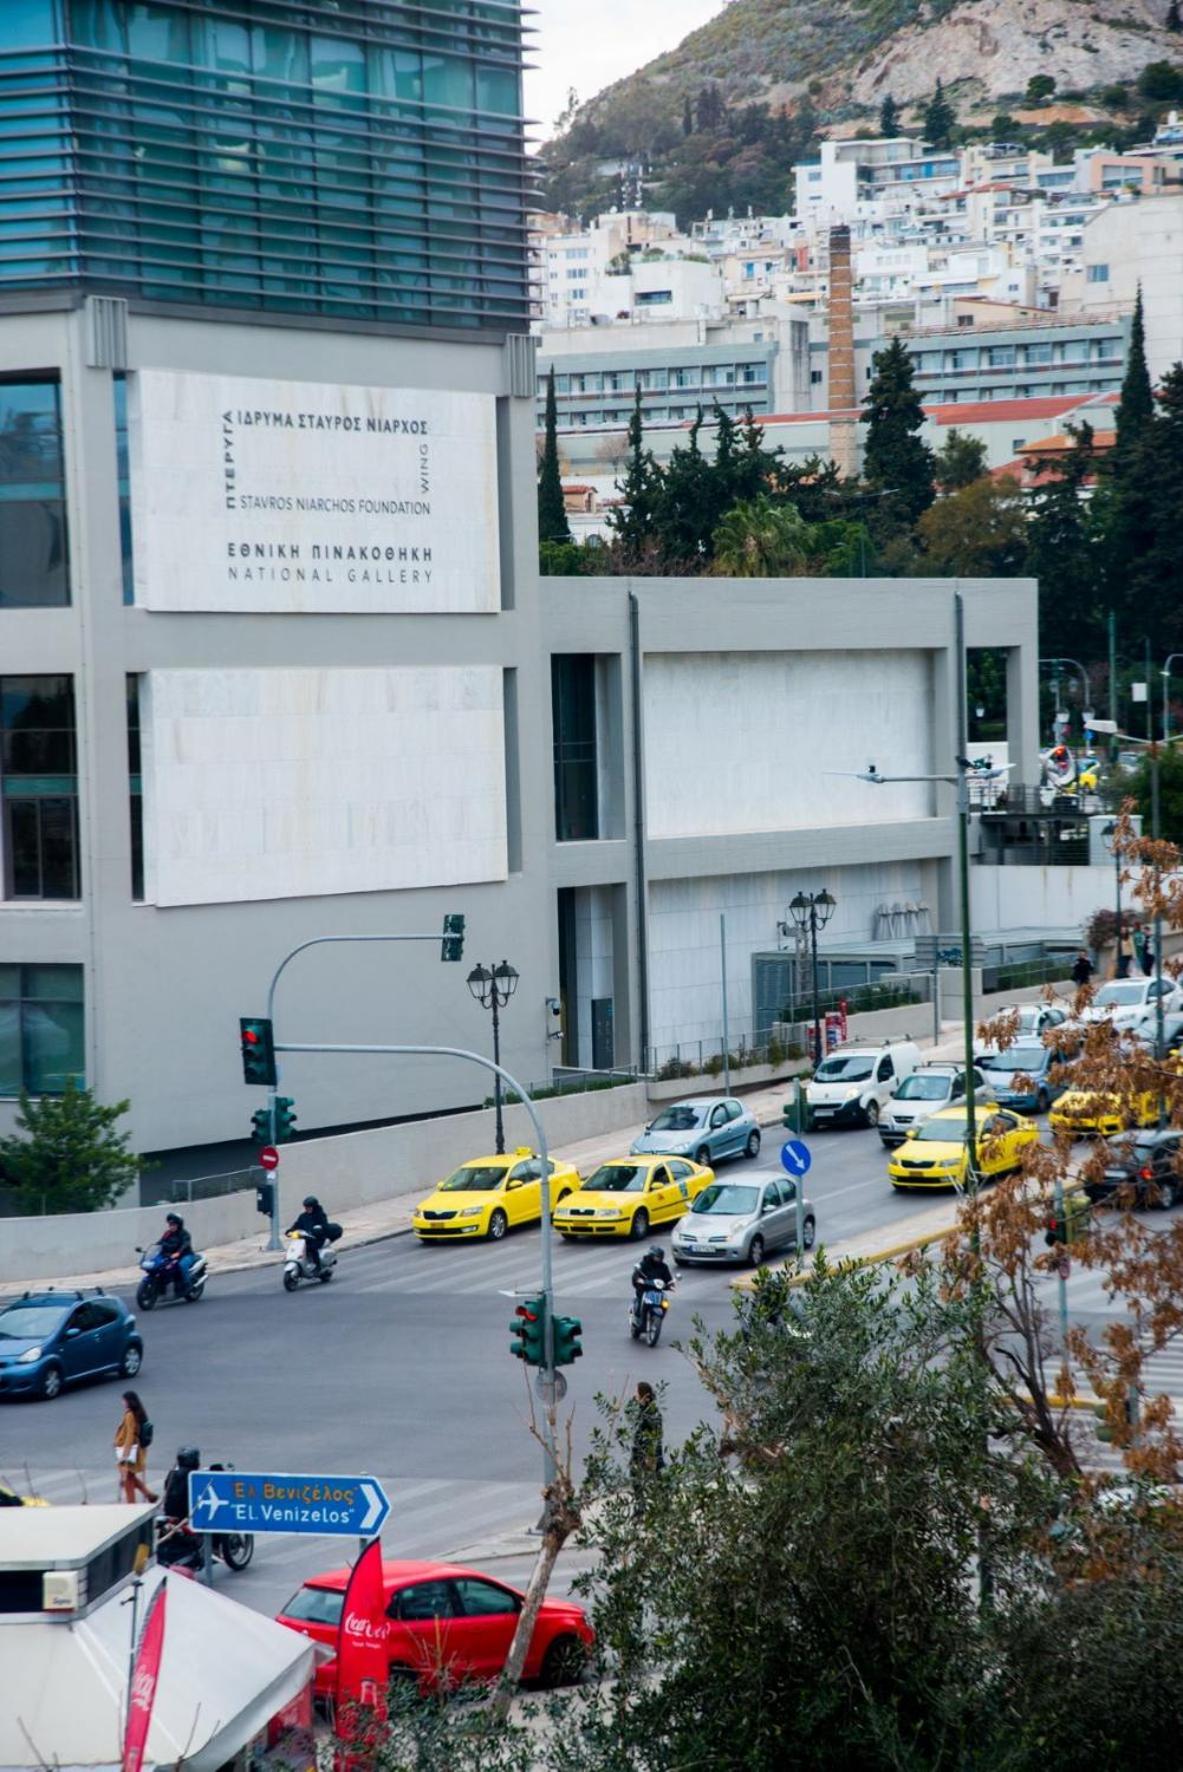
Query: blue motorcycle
[163, 1274]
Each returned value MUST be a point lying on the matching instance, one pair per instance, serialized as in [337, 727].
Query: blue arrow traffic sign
[796, 1158]
[319, 1505]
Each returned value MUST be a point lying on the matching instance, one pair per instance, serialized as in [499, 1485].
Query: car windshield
[677, 1119]
[315, 1605]
[1119, 995]
[941, 1131]
[1015, 1058]
[727, 1200]
[474, 1178]
[30, 1322]
[918, 1087]
[851, 1067]
[617, 1178]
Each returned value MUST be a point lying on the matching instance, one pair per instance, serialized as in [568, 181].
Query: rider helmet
[188, 1458]
[174, 1218]
[310, 1202]
[656, 1249]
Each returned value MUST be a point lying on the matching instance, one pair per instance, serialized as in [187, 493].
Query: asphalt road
[400, 1368]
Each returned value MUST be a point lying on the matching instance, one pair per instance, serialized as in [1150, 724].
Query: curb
[745, 1282]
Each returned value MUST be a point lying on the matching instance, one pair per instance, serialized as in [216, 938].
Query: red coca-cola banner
[144, 1676]
[361, 1637]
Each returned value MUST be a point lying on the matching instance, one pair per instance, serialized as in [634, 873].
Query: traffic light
[1105, 1419]
[528, 1332]
[452, 945]
[265, 1197]
[285, 1118]
[258, 1051]
[568, 1347]
[1057, 1230]
[261, 1125]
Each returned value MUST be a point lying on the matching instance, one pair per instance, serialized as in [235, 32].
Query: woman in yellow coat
[129, 1449]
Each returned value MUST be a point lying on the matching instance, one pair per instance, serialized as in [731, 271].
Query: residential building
[1132, 245]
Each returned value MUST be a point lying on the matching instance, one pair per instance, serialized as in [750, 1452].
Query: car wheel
[872, 1112]
[702, 1157]
[498, 1225]
[133, 1359]
[752, 1147]
[51, 1383]
[808, 1232]
[756, 1251]
[1042, 1102]
[640, 1225]
[564, 1663]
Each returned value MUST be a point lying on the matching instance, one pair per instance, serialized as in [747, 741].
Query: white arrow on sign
[374, 1497]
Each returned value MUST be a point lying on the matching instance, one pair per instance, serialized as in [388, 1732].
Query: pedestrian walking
[1148, 957]
[647, 1459]
[131, 1442]
[1082, 968]
[1123, 962]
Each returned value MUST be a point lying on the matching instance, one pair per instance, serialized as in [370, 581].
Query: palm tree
[759, 539]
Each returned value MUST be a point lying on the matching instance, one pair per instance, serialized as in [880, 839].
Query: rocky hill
[828, 64]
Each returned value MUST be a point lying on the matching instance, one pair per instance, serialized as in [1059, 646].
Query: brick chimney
[843, 399]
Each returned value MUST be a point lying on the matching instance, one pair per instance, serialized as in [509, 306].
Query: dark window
[39, 787]
[573, 705]
[32, 495]
[422, 1602]
[135, 788]
[41, 1029]
[484, 1599]
[123, 471]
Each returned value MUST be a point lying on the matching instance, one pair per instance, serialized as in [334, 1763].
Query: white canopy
[225, 1673]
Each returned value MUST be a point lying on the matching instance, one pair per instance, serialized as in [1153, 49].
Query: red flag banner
[361, 1636]
[144, 1676]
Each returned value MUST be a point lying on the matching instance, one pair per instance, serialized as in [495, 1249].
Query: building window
[41, 1029]
[135, 789]
[815, 376]
[573, 709]
[32, 497]
[39, 787]
[1098, 273]
[123, 473]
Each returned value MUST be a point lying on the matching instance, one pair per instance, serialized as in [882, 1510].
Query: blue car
[51, 1339]
[1021, 1078]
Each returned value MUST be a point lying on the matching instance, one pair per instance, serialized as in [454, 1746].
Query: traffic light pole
[273, 1092]
[548, 1371]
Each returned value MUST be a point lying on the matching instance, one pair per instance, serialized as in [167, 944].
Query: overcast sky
[589, 43]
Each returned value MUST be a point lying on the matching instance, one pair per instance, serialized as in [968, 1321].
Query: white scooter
[298, 1264]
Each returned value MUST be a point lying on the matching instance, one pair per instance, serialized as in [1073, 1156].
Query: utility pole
[723, 976]
[1113, 682]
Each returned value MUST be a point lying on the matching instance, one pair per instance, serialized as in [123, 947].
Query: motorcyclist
[652, 1266]
[177, 1542]
[313, 1226]
[177, 1241]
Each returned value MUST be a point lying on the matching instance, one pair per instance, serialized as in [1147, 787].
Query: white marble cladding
[684, 955]
[294, 783]
[746, 741]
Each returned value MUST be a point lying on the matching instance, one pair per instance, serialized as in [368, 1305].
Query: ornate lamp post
[492, 990]
[812, 911]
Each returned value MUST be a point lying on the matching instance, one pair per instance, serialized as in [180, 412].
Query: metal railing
[160, 1191]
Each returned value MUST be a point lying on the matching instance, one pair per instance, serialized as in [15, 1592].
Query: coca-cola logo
[360, 1629]
[143, 1687]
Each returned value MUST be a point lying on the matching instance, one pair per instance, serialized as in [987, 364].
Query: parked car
[1021, 1076]
[930, 1088]
[851, 1086]
[1033, 1020]
[936, 1154]
[51, 1339]
[1132, 1002]
[706, 1129]
[742, 1221]
[1143, 1170]
[626, 1196]
[444, 1624]
[1102, 1112]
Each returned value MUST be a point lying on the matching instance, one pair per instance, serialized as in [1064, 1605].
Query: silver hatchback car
[742, 1221]
[705, 1129]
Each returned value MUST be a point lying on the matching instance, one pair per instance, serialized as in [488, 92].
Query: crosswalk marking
[578, 1271]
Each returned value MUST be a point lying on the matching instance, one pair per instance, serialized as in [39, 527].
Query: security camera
[553, 1004]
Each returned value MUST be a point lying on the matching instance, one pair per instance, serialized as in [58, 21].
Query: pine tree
[640, 492]
[896, 460]
[1135, 410]
[1151, 579]
[552, 511]
[940, 119]
[687, 117]
[686, 515]
[889, 117]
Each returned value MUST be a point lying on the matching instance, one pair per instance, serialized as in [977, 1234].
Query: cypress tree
[552, 512]
[896, 460]
[640, 491]
[1135, 410]
[1064, 554]
[1151, 580]
[939, 119]
[889, 116]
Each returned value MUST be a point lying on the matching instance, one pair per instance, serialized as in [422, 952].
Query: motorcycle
[178, 1547]
[163, 1271]
[298, 1264]
[648, 1312]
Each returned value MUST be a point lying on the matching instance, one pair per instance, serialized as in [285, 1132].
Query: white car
[1132, 1002]
[930, 1088]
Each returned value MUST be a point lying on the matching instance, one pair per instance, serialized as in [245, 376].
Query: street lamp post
[1109, 832]
[492, 989]
[1165, 674]
[812, 911]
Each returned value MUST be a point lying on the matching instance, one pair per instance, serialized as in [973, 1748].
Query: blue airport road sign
[318, 1505]
[796, 1158]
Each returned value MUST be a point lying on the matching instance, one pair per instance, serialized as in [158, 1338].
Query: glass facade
[39, 787]
[33, 560]
[42, 1029]
[573, 711]
[354, 158]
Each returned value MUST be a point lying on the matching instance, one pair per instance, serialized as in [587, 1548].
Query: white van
[851, 1084]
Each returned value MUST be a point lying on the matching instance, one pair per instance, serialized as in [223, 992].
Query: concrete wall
[92, 1242]
[1041, 898]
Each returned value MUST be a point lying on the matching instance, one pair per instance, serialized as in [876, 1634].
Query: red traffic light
[250, 1037]
[527, 1315]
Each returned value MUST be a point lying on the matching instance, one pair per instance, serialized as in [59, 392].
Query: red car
[442, 1622]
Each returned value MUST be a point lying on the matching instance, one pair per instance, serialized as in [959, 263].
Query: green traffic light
[568, 1347]
[452, 942]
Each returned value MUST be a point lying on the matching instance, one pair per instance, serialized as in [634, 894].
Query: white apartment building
[1136, 242]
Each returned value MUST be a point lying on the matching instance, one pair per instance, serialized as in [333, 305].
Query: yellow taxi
[488, 1195]
[935, 1154]
[1083, 1111]
[624, 1197]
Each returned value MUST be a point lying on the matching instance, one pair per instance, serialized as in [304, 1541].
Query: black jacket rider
[652, 1266]
[313, 1226]
[176, 1241]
